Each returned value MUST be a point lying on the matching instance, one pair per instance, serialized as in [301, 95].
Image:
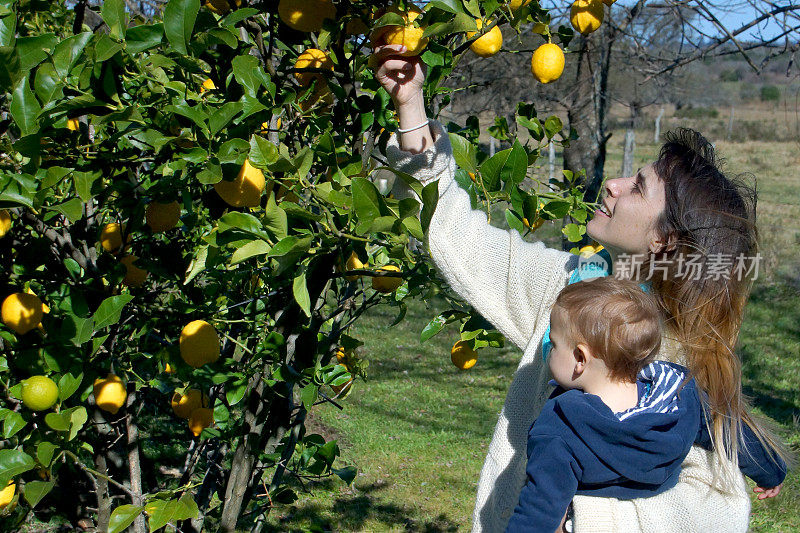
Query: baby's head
[602, 329]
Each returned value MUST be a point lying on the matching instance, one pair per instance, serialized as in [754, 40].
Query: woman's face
[626, 223]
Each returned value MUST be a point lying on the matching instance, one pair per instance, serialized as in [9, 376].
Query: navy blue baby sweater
[579, 446]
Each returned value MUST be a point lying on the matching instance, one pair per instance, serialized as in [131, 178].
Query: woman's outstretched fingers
[767, 492]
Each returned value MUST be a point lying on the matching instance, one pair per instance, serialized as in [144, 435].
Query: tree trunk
[101, 465]
[730, 124]
[552, 160]
[657, 133]
[630, 141]
[134, 466]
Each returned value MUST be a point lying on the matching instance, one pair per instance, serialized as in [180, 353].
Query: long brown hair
[710, 219]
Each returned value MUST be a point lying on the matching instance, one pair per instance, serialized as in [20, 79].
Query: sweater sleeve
[506, 279]
[755, 461]
[552, 480]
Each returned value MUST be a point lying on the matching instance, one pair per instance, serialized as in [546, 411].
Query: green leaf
[12, 424]
[433, 327]
[143, 37]
[507, 165]
[179, 19]
[251, 249]
[48, 85]
[300, 292]
[464, 152]
[233, 151]
[574, 232]
[72, 209]
[275, 220]
[451, 6]
[162, 512]
[430, 197]
[57, 421]
[237, 16]
[67, 52]
[245, 70]
[10, 72]
[68, 384]
[235, 220]
[110, 311]
[123, 516]
[552, 126]
[366, 199]
[17, 189]
[113, 13]
[83, 183]
[24, 107]
[309, 395]
[83, 329]
[262, 152]
[210, 175]
[220, 117]
[235, 391]
[346, 474]
[413, 227]
[8, 26]
[197, 265]
[45, 451]
[36, 490]
[14, 463]
[77, 419]
[33, 50]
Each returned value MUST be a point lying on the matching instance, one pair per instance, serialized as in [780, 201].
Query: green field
[418, 429]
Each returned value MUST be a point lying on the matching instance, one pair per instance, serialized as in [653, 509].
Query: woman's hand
[402, 77]
[767, 492]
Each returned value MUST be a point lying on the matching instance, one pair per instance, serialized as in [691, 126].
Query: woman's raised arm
[509, 281]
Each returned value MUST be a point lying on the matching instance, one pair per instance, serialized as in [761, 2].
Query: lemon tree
[189, 226]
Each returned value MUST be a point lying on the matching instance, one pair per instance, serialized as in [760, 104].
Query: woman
[675, 207]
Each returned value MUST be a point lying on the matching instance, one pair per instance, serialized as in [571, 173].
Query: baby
[619, 424]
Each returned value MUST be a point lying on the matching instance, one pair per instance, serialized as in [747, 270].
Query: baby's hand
[767, 492]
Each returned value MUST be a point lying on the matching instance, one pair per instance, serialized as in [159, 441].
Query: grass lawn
[418, 429]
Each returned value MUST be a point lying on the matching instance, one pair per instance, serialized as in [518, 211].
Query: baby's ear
[582, 353]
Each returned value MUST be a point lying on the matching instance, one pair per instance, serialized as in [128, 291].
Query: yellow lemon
[221, 7]
[7, 494]
[39, 393]
[111, 236]
[586, 15]
[463, 356]
[110, 393]
[516, 4]
[199, 343]
[200, 419]
[208, 85]
[353, 263]
[162, 216]
[312, 58]
[73, 124]
[45, 307]
[134, 276]
[547, 63]
[306, 15]
[387, 284]
[245, 190]
[22, 312]
[184, 404]
[5, 222]
[169, 369]
[487, 45]
[408, 34]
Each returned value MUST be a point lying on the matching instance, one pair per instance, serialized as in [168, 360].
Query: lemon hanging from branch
[547, 63]
[586, 15]
[488, 44]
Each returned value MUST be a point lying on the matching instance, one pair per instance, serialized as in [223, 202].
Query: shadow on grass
[354, 512]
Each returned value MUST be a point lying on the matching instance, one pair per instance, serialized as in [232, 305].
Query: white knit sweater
[513, 284]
